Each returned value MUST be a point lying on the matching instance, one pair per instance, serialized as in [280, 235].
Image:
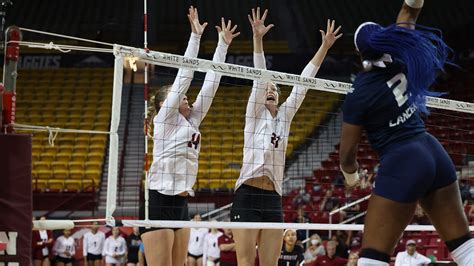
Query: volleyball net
[314, 197]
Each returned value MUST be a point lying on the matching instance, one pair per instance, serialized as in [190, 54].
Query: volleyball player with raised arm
[258, 189]
[176, 148]
[387, 100]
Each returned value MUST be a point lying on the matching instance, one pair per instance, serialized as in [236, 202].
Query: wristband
[351, 179]
[415, 3]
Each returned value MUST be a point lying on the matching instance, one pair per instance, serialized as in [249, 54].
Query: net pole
[145, 90]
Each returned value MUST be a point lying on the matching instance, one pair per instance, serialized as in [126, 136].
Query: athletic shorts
[167, 208]
[194, 256]
[253, 204]
[93, 257]
[412, 168]
[63, 260]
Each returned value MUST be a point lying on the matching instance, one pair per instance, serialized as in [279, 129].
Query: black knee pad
[455, 243]
[370, 253]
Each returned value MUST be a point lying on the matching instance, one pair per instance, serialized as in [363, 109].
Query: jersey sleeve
[354, 107]
[170, 108]
[257, 96]
[209, 88]
[298, 93]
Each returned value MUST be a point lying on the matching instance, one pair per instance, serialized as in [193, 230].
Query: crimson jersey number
[194, 142]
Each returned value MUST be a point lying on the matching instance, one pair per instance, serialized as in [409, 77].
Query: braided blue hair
[422, 51]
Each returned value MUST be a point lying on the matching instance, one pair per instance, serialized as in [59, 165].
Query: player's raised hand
[330, 36]
[226, 31]
[258, 23]
[193, 17]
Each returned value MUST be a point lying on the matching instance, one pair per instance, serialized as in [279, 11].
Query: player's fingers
[264, 16]
[250, 20]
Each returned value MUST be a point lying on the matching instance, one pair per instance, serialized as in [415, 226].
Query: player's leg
[180, 246]
[444, 208]
[199, 261]
[384, 224]
[405, 174]
[191, 261]
[269, 246]
[245, 245]
[158, 246]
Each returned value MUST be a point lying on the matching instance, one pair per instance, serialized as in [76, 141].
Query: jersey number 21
[398, 84]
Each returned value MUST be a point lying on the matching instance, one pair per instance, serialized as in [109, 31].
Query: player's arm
[184, 77]
[298, 93]
[123, 248]
[84, 246]
[257, 97]
[350, 138]
[409, 13]
[203, 102]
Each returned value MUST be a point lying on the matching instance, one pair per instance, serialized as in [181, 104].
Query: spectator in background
[410, 257]
[353, 258]
[115, 248]
[355, 240]
[330, 259]
[291, 254]
[302, 198]
[226, 243]
[315, 249]
[301, 216]
[92, 246]
[211, 251]
[329, 202]
[465, 189]
[419, 217]
[133, 245]
[141, 255]
[42, 242]
[342, 244]
[64, 248]
[196, 243]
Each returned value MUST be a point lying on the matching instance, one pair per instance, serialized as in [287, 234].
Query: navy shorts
[412, 168]
[253, 204]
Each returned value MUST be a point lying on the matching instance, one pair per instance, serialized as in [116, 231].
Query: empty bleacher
[71, 99]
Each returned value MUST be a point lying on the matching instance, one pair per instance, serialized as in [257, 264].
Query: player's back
[379, 102]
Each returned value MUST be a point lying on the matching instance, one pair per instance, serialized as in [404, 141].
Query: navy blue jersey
[378, 101]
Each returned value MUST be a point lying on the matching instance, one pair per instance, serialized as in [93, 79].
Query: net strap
[250, 73]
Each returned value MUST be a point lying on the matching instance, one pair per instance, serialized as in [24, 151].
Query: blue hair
[422, 51]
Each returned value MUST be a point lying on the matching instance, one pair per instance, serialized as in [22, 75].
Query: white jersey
[266, 137]
[114, 246]
[404, 259]
[177, 139]
[93, 243]
[196, 241]
[211, 247]
[63, 245]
